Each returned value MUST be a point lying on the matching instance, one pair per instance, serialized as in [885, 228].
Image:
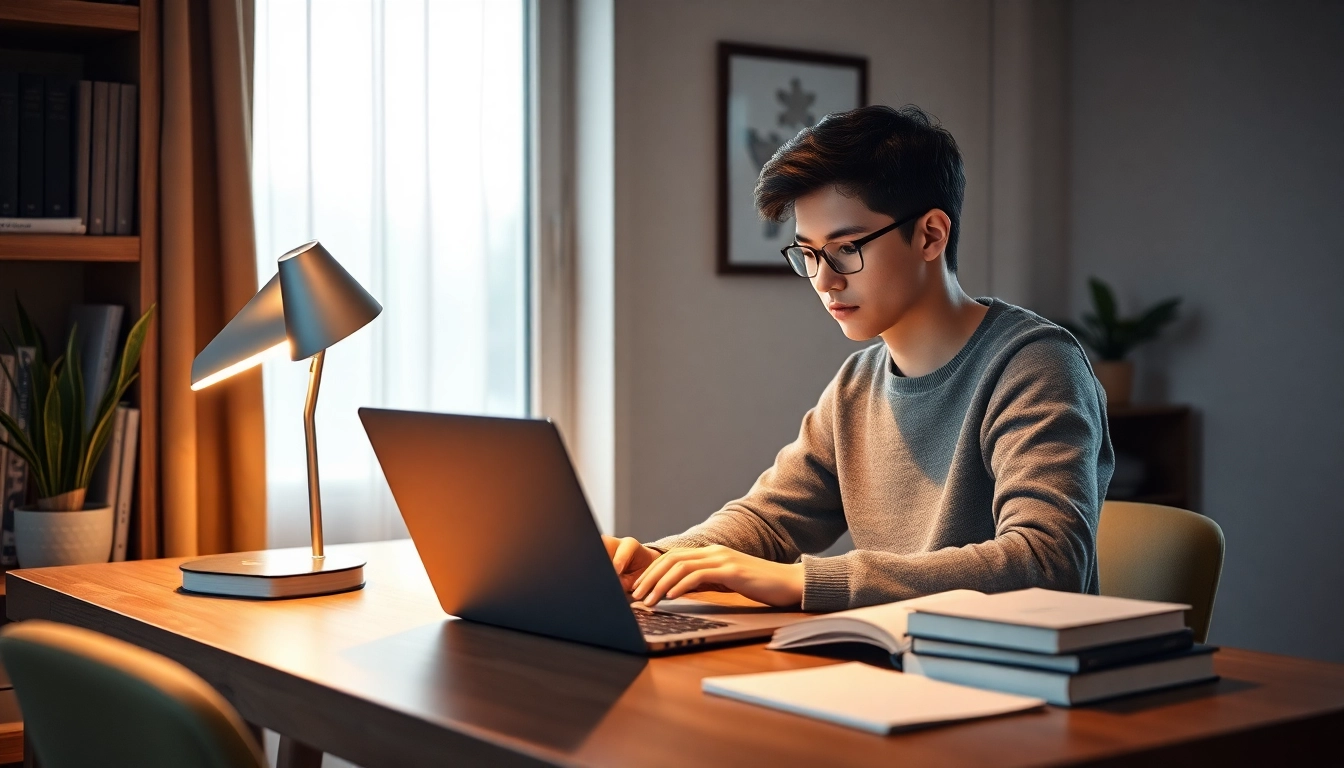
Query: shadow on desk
[503, 681]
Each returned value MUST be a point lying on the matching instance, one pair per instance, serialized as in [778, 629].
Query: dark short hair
[897, 161]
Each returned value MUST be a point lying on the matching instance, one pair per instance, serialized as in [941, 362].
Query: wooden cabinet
[1162, 438]
[115, 43]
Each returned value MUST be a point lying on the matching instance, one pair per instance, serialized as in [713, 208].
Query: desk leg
[296, 754]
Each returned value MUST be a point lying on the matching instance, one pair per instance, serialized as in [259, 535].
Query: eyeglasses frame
[858, 244]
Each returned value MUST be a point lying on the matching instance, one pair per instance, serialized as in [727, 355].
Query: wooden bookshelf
[115, 43]
[1163, 437]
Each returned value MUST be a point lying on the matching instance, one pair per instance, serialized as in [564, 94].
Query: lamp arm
[310, 437]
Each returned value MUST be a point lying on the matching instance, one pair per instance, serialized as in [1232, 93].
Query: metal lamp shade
[322, 302]
[311, 304]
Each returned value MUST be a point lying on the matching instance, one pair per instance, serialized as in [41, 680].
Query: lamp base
[272, 574]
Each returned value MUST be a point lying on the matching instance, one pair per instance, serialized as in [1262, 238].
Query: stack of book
[67, 155]
[1063, 647]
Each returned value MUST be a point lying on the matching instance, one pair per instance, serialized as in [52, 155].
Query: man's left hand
[719, 568]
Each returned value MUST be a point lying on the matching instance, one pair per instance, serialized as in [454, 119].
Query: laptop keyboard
[663, 623]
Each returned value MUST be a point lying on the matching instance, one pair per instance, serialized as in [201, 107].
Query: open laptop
[507, 538]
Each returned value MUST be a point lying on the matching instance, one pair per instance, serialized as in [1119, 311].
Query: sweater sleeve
[1045, 445]
[793, 507]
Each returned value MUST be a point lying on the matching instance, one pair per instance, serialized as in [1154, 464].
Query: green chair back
[1153, 552]
[88, 699]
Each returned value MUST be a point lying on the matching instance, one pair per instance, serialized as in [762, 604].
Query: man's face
[894, 273]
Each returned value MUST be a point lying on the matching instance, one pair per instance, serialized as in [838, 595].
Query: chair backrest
[89, 699]
[1152, 552]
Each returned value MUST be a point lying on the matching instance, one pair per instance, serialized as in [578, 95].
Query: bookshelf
[1163, 437]
[115, 43]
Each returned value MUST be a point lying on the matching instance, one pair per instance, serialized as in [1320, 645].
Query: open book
[880, 625]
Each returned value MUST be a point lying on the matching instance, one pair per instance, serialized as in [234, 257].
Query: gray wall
[1207, 161]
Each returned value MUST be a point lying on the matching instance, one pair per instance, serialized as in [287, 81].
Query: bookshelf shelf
[71, 15]
[70, 248]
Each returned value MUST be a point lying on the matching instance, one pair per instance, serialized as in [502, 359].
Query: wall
[1207, 163]
[721, 369]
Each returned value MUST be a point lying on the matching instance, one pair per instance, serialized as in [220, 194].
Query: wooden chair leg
[295, 754]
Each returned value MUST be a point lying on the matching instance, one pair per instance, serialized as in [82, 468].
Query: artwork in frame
[767, 95]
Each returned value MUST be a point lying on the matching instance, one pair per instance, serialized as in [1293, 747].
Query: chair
[88, 699]
[1153, 552]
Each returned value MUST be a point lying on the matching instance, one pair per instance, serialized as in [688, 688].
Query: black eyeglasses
[844, 258]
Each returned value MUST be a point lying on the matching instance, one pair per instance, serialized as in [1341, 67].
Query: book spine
[125, 485]
[113, 146]
[42, 226]
[58, 148]
[98, 160]
[32, 105]
[126, 162]
[16, 473]
[83, 146]
[9, 144]
[103, 484]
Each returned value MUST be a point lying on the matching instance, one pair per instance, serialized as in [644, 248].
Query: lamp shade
[322, 302]
[252, 333]
[309, 305]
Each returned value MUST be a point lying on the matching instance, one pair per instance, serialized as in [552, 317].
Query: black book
[109, 212]
[126, 136]
[1088, 660]
[58, 148]
[9, 145]
[83, 146]
[32, 105]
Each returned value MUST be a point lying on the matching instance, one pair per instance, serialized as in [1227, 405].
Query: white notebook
[865, 697]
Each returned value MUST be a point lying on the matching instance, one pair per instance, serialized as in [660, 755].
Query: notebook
[867, 698]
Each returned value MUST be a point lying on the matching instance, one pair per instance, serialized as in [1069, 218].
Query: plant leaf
[125, 374]
[51, 429]
[70, 385]
[1104, 300]
[17, 440]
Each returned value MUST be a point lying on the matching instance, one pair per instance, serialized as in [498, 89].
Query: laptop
[496, 512]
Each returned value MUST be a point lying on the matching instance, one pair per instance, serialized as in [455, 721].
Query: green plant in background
[1113, 337]
[60, 449]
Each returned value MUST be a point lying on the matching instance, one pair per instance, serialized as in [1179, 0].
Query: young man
[969, 449]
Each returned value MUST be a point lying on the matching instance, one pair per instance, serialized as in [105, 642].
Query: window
[395, 133]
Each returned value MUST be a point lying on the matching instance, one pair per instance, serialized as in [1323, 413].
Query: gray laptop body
[507, 538]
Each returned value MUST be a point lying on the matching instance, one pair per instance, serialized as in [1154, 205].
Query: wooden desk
[381, 677]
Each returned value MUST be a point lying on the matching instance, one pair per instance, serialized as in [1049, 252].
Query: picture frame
[766, 95]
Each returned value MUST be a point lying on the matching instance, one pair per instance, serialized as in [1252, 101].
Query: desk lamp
[309, 305]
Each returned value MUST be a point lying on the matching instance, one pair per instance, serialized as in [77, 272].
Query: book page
[881, 625]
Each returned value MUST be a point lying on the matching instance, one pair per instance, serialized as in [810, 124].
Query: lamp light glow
[251, 362]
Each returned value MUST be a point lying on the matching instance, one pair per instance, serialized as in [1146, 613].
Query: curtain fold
[213, 441]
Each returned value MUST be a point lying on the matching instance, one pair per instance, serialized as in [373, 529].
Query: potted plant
[1112, 337]
[62, 451]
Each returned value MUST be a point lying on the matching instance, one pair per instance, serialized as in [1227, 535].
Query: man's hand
[629, 558]
[719, 568]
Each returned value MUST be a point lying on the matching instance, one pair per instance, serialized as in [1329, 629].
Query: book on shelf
[1192, 665]
[109, 212]
[1088, 660]
[1045, 621]
[880, 625]
[867, 698]
[32, 106]
[103, 484]
[9, 144]
[14, 489]
[97, 329]
[129, 419]
[42, 226]
[98, 160]
[58, 146]
[125, 196]
[7, 408]
[83, 147]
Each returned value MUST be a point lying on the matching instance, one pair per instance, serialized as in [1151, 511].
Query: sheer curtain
[394, 131]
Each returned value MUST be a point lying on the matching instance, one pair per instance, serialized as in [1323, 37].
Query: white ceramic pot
[63, 538]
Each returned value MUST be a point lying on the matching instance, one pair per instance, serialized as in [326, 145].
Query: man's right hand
[629, 558]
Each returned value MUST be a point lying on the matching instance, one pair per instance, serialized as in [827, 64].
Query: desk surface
[381, 677]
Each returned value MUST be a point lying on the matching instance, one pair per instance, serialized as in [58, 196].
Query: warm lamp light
[311, 304]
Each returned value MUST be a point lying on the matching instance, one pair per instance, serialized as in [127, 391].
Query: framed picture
[767, 95]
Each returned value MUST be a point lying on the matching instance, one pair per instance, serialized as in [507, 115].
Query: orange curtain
[213, 444]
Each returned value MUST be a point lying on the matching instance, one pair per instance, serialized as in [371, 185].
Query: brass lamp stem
[310, 435]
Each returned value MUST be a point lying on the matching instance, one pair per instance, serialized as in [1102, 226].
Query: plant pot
[63, 538]
[1117, 378]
